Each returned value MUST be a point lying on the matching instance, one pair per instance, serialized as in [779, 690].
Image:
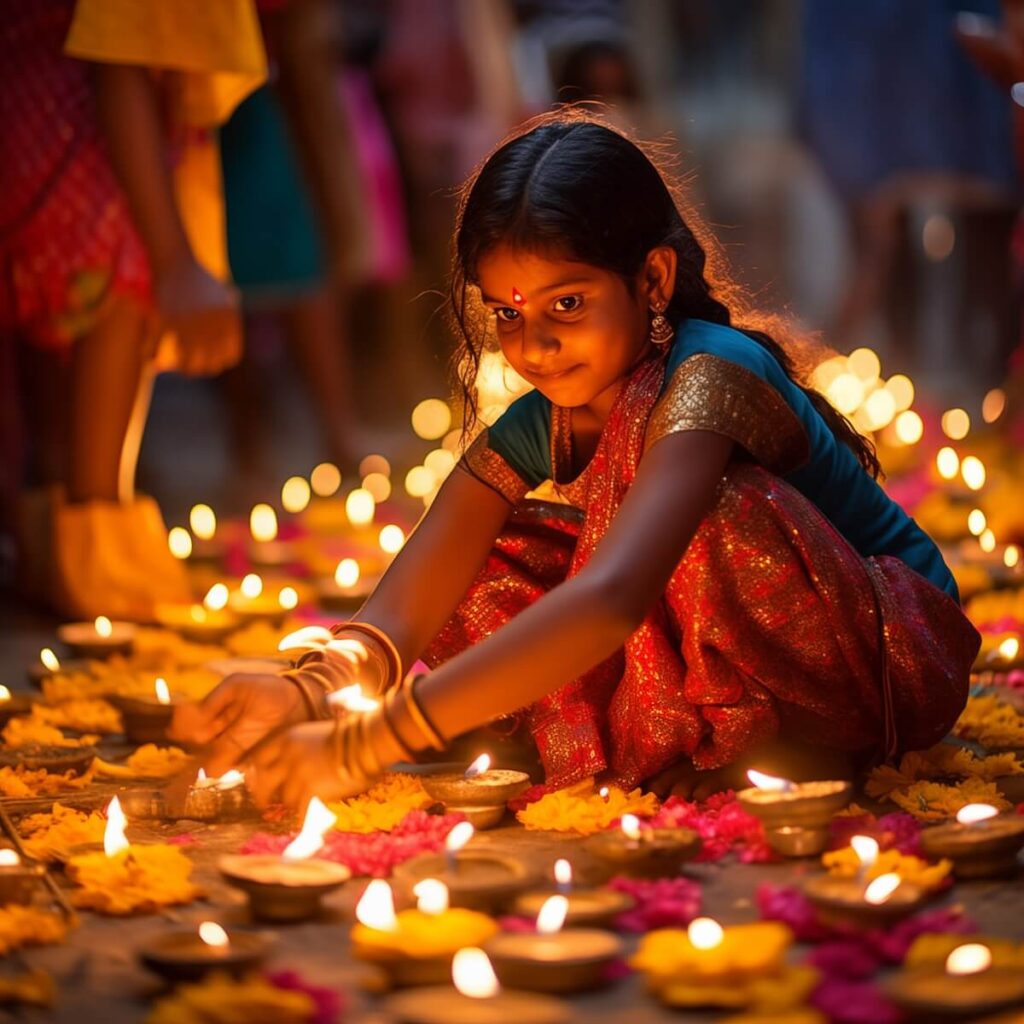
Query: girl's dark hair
[568, 183]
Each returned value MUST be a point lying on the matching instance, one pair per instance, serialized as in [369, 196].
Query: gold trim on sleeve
[709, 393]
[491, 469]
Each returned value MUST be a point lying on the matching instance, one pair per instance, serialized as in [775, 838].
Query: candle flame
[631, 826]
[203, 521]
[318, 820]
[705, 933]
[114, 839]
[947, 462]
[376, 907]
[288, 598]
[262, 523]
[459, 836]
[163, 694]
[603, 792]
[216, 597]
[252, 585]
[552, 915]
[49, 659]
[970, 814]
[5, 694]
[563, 871]
[352, 698]
[9, 858]
[1009, 648]
[431, 896]
[473, 975]
[213, 935]
[1011, 556]
[347, 573]
[970, 958]
[306, 638]
[770, 783]
[391, 539]
[882, 888]
[866, 849]
[103, 626]
[201, 776]
[360, 507]
[479, 766]
[231, 779]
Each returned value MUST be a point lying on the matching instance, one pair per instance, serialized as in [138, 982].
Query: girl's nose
[538, 347]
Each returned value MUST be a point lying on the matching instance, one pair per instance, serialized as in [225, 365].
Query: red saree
[771, 623]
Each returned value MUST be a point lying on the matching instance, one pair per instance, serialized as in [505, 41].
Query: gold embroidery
[708, 393]
[490, 468]
[561, 444]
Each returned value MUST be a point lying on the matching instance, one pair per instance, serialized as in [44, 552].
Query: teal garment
[832, 477]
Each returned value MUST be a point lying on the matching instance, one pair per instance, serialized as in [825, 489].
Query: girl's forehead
[505, 272]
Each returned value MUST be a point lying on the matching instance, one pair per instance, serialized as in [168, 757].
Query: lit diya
[416, 946]
[481, 793]
[288, 887]
[266, 549]
[49, 664]
[796, 815]
[223, 798]
[981, 843]
[98, 639]
[966, 986]
[208, 622]
[863, 903]
[595, 908]
[252, 602]
[553, 960]
[639, 851]
[206, 545]
[146, 719]
[18, 880]
[477, 998]
[347, 590]
[191, 954]
[12, 704]
[480, 879]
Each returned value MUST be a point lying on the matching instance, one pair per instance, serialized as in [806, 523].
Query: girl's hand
[203, 314]
[236, 715]
[298, 764]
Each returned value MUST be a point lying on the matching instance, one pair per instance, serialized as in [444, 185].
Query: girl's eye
[568, 303]
[506, 314]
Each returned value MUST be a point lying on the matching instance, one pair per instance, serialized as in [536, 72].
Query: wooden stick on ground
[15, 838]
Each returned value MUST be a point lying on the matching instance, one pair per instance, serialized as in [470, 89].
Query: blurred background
[856, 161]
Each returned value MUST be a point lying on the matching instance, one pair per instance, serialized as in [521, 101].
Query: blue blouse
[717, 378]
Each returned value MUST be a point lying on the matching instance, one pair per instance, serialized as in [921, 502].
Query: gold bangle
[385, 709]
[392, 659]
[316, 712]
[427, 731]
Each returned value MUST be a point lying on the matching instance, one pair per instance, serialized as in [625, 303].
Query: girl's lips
[554, 376]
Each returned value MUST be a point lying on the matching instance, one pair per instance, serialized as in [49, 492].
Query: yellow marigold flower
[26, 730]
[936, 801]
[49, 837]
[942, 761]
[845, 863]
[991, 722]
[20, 783]
[147, 762]
[219, 999]
[139, 879]
[28, 926]
[382, 806]
[581, 810]
[931, 950]
[86, 714]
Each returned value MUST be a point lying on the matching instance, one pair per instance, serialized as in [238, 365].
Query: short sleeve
[486, 465]
[706, 392]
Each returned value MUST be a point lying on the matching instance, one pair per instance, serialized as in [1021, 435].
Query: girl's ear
[659, 276]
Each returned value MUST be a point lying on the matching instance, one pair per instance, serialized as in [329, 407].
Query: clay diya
[219, 799]
[266, 549]
[796, 815]
[636, 850]
[18, 880]
[98, 639]
[146, 719]
[347, 590]
[200, 623]
[12, 704]
[967, 986]
[46, 758]
[191, 954]
[415, 946]
[593, 908]
[481, 793]
[553, 960]
[477, 998]
[484, 879]
[981, 843]
[49, 665]
[252, 603]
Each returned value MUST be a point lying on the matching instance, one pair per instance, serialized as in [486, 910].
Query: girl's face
[572, 330]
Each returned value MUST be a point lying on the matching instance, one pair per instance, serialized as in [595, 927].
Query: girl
[726, 576]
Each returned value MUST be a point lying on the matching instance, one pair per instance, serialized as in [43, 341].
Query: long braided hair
[567, 183]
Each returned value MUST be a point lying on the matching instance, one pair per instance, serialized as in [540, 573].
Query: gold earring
[661, 329]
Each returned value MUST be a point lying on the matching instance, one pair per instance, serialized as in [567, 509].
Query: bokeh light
[909, 427]
[263, 522]
[391, 539]
[325, 479]
[179, 540]
[431, 419]
[419, 481]
[203, 522]
[360, 507]
[295, 494]
[378, 485]
[956, 424]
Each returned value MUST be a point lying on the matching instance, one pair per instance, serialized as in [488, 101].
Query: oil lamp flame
[705, 933]
[459, 836]
[603, 792]
[970, 958]
[552, 915]
[970, 814]
[252, 585]
[866, 849]
[473, 975]
[479, 766]
[879, 891]
[213, 935]
[770, 783]
[103, 627]
[376, 907]
[352, 698]
[263, 522]
[216, 597]
[163, 694]
[5, 694]
[288, 598]
[1009, 648]
[318, 820]
[563, 871]
[231, 779]
[306, 638]
[9, 858]
[431, 896]
[49, 659]
[631, 826]
[346, 574]
[114, 839]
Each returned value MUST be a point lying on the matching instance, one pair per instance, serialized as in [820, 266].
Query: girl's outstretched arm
[588, 617]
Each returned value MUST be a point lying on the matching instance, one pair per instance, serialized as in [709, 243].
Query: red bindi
[517, 297]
